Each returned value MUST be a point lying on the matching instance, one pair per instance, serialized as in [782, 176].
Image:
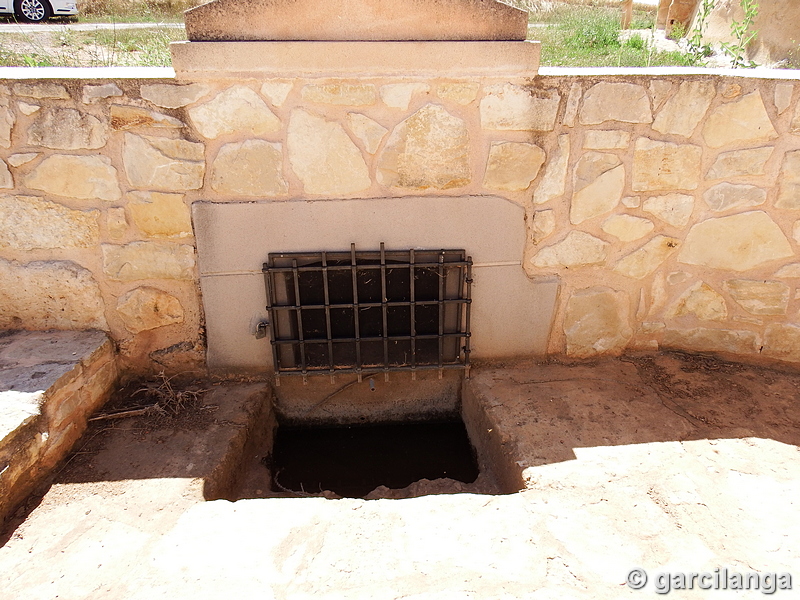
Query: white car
[35, 11]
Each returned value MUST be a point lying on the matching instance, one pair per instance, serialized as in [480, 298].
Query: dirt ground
[666, 462]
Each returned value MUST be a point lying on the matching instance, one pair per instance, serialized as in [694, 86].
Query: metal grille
[369, 312]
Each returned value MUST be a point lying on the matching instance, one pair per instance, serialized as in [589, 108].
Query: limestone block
[430, 149]
[345, 94]
[49, 295]
[28, 109]
[163, 164]
[573, 101]
[782, 341]
[759, 297]
[235, 110]
[249, 168]
[149, 308]
[596, 139]
[7, 120]
[739, 163]
[606, 101]
[17, 160]
[632, 201]
[702, 339]
[789, 190]
[93, 93]
[511, 107]
[736, 242]
[512, 166]
[675, 209]
[148, 260]
[598, 181]
[116, 223]
[659, 90]
[398, 95]
[725, 196]
[166, 95]
[627, 228]
[640, 263]
[542, 225]
[30, 223]
[597, 322]
[67, 129]
[41, 90]
[130, 117]
[277, 90]
[370, 132]
[700, 301]
[744, 121]
[462, 92]
[6, 180]
[323, 157]
[158, 214]
[683, 112]
[790, 271]
[578, 249]
[82, 177]
[783, 96]
[554, 180]
[665, 166]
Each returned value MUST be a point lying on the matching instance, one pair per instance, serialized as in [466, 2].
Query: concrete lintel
[234, 60]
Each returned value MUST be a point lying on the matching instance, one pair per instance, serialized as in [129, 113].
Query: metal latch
[261, 329]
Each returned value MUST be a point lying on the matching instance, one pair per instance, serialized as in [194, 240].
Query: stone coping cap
[759, 73]
[87, 73]
[355, 20]
[236, 60]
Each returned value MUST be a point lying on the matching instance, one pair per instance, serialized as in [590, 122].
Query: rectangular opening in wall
[368, 312]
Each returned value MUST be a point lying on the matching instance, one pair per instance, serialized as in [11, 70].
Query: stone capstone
[512, 166]
[235, 110]
[462, 93]
[70, 176]
[515, 108]
[596, 322]
[323, 157]
[740, 163]
[276, 90]
[759, 297]
[782, 341]
[674, 209]
[163, 164]
[398, 95]
[67, 129]
[736, 242]
[49, 295]
[430, 149]
[129, 117]
[370, 132]
[554, 180]
[598, 183]
[726, 196]
[249, 168]
[640, 263]
[701, 339]
[148, 260]
[744, 121]
[148, 308]
[345, 94]
[789, 190]
[31, 223]
[626, 102]
[158, 214]
[664, 166]
[93, 93]
[683, 112]
[598, 139]
[166, 95]
[41, 90]
[578, 249]
[702, 302]
[627, 228]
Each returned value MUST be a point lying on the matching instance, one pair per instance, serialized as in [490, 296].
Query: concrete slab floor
[666, 462]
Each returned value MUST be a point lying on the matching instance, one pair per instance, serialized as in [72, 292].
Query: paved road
[58, 27]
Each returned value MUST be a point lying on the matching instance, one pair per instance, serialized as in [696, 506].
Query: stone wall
[667, 204]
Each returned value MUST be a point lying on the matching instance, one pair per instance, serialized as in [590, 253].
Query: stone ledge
[87, 73]
[234, 60]
[50, 382]
[759, 73]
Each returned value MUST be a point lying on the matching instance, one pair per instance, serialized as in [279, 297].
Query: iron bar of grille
[376, 304]
[413, 314]
[272, 316]
[467, 330]
[328, 313]
[391, 338]
[362, 266]
[299, 312]
[440, 272]
[356, 314]
[384, 315]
